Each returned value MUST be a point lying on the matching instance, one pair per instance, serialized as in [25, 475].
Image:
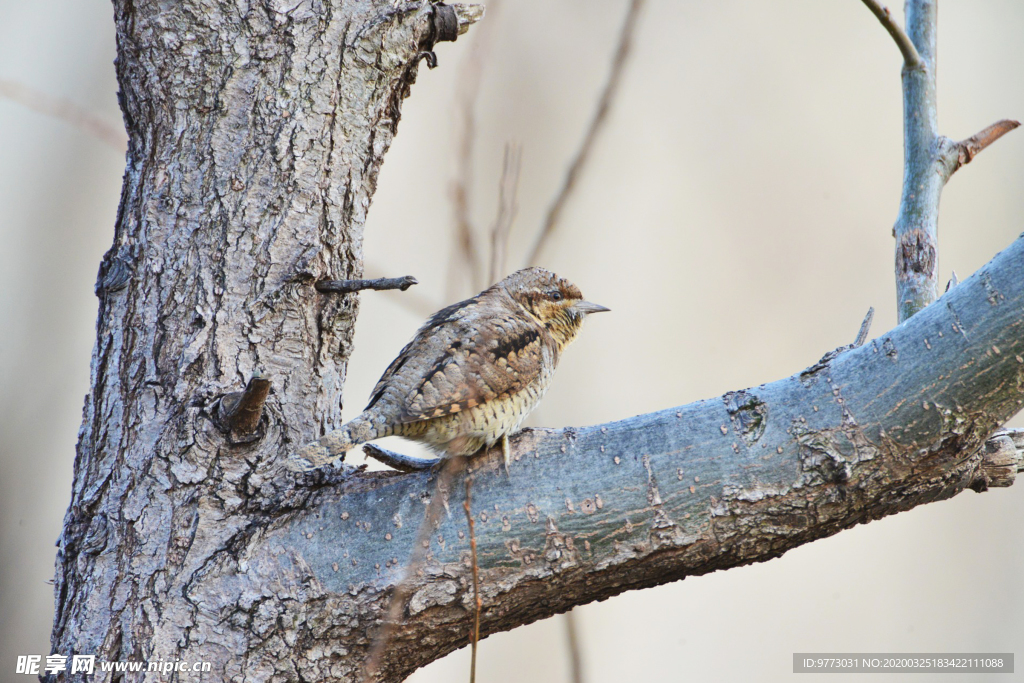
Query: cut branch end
[468, 15]
[240, 412]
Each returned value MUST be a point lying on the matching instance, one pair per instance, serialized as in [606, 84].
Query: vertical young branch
[916, 230]
[929, 159]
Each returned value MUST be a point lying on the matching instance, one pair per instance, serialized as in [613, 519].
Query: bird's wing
[463, 356]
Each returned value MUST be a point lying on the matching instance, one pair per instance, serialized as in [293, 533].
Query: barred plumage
[472, 373]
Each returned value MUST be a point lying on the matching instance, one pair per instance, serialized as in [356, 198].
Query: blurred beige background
[736, 218]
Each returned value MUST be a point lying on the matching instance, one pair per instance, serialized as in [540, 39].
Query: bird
[471, 374]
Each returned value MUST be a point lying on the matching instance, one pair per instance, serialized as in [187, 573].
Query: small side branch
[910, 56]
[611, 88]
[963, 152]
[1001, 460]
[350, 286]
[240, 412]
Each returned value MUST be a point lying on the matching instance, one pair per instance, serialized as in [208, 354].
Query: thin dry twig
[910, 55]
[350, 286]
[469, 78]
[508, 206]
[419, 553]
[66, 111]
[608, 94]
[467, 505]
[575, 660]
[972, 146]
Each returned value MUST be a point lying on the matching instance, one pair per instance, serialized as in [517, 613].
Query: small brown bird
[472, 373]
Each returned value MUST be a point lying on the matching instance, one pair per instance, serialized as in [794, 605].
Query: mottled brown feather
[471, 374]
[465, 356]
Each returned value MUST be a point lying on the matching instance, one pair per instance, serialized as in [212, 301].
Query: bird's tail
[332, 446]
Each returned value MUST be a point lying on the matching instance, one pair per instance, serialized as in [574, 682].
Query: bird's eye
[555, 295]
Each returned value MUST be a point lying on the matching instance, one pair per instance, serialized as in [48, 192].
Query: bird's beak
[587, 307]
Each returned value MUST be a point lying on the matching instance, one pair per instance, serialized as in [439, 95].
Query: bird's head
[552, 301]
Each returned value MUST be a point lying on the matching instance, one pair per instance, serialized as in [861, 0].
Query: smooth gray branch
[910, 57]
[608, 94]
[916, 229]
[588, 513]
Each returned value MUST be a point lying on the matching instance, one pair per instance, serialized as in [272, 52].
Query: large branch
[588, 513]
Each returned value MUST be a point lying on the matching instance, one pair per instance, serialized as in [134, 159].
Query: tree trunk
[256, 134]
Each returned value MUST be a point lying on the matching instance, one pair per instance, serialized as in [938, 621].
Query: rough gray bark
[256, 135]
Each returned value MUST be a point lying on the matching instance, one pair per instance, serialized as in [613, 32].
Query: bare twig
[865, 327]
[611, 87]
[953, 280]
[507, 208]
[350, 286]
[910, 57]
[475, 636]
[66, 111]
[966, 150]
[416, 557]
[575, 660]
[468, 90]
